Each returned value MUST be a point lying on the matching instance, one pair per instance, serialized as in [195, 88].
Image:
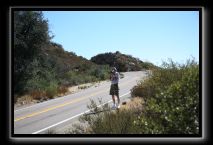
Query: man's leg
[117, 94]
[118, 99]
[113, 99]
[118, 105]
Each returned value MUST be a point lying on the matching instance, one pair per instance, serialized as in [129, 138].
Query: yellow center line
[55, 107]
[61, 105]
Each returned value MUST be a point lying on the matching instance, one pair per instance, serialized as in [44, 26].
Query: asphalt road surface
[57, 114]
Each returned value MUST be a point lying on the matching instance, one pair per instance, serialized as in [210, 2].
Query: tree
[30, 34]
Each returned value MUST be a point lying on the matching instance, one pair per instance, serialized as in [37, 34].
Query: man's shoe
[113, 106]
[118, 106]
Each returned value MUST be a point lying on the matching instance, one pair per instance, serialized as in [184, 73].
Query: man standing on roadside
[114, 90]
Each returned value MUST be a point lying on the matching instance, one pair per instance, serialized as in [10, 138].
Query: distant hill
[121, 61]
[72, 69]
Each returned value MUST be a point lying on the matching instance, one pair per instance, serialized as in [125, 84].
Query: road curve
[59, 112]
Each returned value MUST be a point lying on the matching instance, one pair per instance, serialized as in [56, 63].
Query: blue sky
[148, 35]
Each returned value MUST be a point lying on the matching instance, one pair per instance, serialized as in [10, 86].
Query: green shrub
[42, 89]
[159, 80]
[51, 90]
[36, 84]
[73, 78]
[94, 73]
[173, 108]
[100, 72]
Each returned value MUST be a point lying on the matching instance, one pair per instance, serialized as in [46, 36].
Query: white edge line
[74, 116]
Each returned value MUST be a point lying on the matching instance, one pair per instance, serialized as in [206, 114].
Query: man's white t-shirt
[115, 78]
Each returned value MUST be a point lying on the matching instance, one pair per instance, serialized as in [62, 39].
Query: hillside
[71, 65]
[54, 70]
[65, 61]
[121, 61]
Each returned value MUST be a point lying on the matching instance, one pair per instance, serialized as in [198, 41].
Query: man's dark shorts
[114, 90]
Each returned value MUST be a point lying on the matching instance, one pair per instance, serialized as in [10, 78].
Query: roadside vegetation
[170, 105]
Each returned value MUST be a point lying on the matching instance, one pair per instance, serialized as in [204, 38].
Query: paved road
[60, 112]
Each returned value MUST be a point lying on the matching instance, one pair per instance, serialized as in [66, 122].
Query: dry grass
[77, 88]
[135, 103]
[62, 90]
[39, 96]
[24, 100]
[114, 121]
[51, 131]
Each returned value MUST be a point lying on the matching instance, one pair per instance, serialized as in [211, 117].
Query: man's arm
[111, 76]
[117, 76]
